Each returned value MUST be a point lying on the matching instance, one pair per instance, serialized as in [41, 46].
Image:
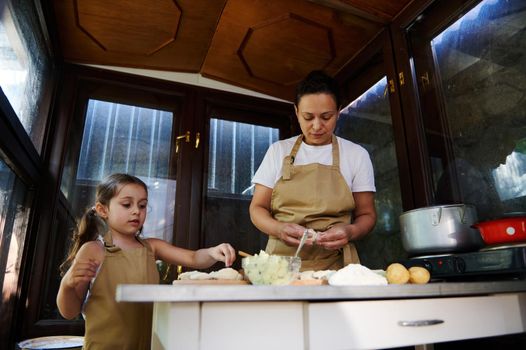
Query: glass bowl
[265, 269]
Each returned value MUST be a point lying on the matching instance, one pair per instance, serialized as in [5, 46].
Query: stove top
[492, 262]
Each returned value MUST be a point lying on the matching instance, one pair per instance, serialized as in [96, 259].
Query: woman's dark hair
[318, 82]
[91, 225]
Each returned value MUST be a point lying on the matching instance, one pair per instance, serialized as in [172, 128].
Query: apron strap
[108, 243]
[335, 152]
[296, 147]
[288, 161]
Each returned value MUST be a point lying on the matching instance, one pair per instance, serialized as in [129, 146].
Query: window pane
[481, 60]
[236, 150]
[367, 121]
[235, 153]
[13, 224]
[127, 139]
[24, 66]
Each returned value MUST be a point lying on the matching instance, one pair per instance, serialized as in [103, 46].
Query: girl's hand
[290, 234]
[334, 238]
[223, 252]
[81, 272]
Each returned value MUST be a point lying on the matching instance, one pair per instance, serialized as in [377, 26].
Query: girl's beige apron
[315, 196]
[120, 325]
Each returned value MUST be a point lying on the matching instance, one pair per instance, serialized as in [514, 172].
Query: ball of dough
[419, 275]
[397, 274]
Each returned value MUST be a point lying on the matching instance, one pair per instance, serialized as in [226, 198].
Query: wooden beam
[379, 17]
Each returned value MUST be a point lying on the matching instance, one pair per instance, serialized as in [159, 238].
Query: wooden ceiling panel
[171, 35]
[312, 50]
[268, 46]
[263, 45]
[130, 28]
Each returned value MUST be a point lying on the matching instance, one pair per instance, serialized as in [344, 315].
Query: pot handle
[435, 217]
[462, 212]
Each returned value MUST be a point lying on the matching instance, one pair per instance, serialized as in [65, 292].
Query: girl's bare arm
[75, 282]
[201, 258]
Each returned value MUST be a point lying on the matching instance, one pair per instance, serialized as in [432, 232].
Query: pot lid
[439, 207]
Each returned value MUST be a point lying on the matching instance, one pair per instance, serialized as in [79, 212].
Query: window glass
[24, 67]
[14, 72]
[235, 153]
[481, 59]
[367, 121]
[14, 214]
[236, 150]
[127, 139]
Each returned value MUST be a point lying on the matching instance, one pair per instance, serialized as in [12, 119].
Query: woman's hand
[290, 234]
[335, 237]
[223, 252]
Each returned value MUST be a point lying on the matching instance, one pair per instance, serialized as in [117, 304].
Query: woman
[315, 181]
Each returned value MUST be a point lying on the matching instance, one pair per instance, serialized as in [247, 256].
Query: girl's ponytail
[88, 229]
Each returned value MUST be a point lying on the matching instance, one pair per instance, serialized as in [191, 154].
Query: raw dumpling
[227, 273]
[316, 275]
[200, 276]
[193, 275]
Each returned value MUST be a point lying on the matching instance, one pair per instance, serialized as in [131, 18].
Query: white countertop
[191, 293]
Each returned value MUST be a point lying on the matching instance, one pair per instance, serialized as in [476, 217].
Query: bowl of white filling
[265, 269]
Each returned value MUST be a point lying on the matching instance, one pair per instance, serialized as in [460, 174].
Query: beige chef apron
[120, 325]
[314, 196]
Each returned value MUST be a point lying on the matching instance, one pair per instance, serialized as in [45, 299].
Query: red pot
[503, 230]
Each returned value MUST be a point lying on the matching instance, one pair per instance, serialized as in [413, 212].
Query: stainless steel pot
[440, 229]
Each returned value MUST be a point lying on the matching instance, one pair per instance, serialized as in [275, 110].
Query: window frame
[364, 71]
[78, 84]
[18, 151]
[240, 108]
[437, 18]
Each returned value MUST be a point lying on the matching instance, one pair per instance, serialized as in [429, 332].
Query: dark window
[14, 214]
[471, 80]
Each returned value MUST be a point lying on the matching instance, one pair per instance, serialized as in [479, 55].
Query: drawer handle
[419, 323]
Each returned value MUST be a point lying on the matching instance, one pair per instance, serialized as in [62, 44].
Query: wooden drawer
[380, 324]
[252, 325]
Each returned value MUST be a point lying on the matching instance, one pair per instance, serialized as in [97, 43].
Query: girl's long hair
[91, 225]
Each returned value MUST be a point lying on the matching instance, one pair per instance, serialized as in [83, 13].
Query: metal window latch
[391, 87]
[401, 78]
[197, 139]
[425, 79]
[185, 136]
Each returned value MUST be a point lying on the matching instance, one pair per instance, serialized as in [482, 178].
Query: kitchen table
[329, 317]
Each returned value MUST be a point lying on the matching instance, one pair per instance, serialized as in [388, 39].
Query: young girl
[107, 251]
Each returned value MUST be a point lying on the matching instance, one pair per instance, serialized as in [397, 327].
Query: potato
[397, 274]
[419, 275]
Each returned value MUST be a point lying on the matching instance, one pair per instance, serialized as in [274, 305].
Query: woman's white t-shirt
[355, 163]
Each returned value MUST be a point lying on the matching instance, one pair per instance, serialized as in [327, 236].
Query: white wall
[190, 79]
